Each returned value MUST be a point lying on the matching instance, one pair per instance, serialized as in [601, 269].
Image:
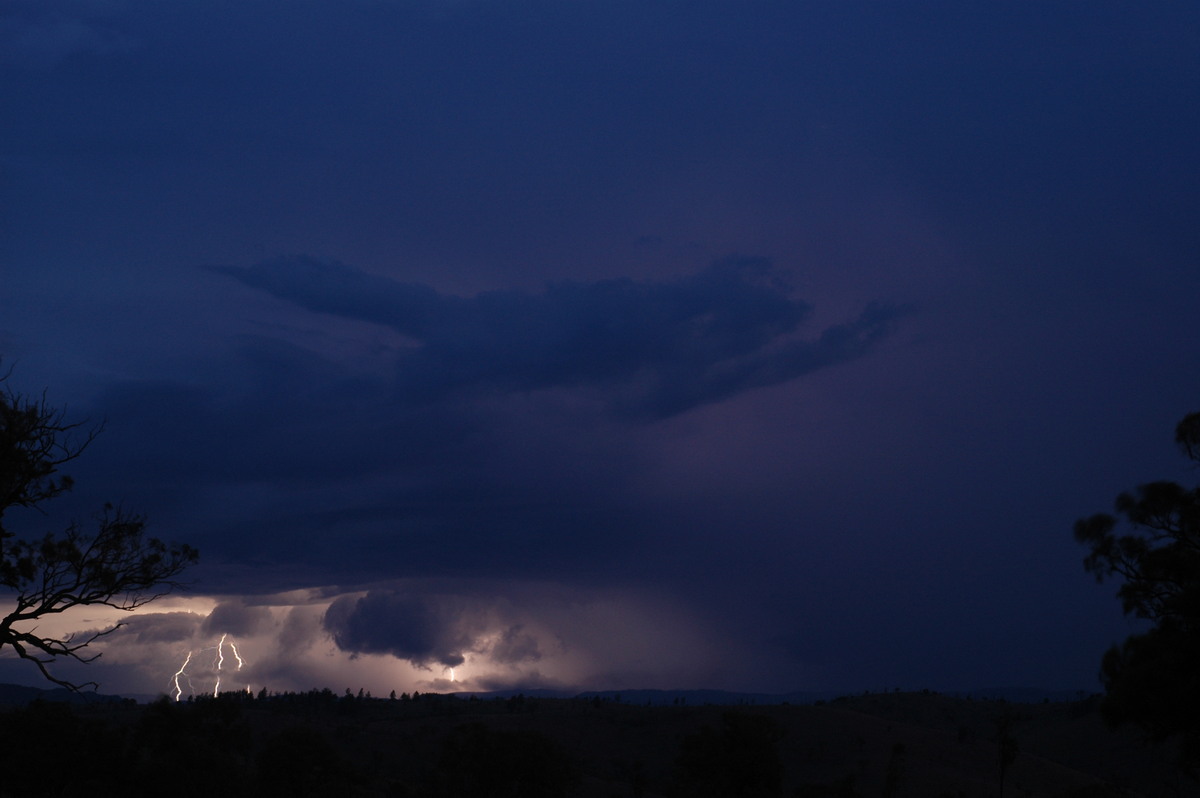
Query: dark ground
[318, 743]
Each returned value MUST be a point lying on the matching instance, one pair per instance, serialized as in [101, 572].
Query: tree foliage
[109, 562]
[1153, 679]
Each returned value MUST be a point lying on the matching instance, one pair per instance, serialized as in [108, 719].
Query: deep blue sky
[756, 345]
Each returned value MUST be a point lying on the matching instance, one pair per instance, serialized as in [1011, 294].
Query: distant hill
[726, 698]
[659, 698]
[15, 695]
[699, 698]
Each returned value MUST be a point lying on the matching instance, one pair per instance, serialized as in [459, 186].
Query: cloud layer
[411, 634]
[650, 349]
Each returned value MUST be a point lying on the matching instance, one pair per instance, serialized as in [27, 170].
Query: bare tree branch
[115, 566]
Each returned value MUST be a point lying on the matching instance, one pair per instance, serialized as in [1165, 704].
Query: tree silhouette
[112, 565]
[1153, 679]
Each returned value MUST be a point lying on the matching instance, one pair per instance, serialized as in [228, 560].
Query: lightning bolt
[180, 672]
[238, 657]
[220, 662]
[218, 666]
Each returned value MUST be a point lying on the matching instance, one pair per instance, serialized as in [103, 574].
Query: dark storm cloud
[236, 618]
[370, 477]
[273, 410]
[352, 483]
[421, 628]
[654, 349]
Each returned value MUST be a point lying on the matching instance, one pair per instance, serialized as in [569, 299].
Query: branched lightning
[180, 672]
[218, 666]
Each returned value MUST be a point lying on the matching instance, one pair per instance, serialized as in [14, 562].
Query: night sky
[599, 344]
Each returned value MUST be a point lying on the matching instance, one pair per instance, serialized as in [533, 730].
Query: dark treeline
[320, 743]
[286, 744]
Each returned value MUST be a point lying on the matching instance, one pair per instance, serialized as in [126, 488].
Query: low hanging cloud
[651, 350]
[512, 634]
[162, 627]
[431, 628]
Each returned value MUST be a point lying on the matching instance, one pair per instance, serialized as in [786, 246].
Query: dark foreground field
[320, 744]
